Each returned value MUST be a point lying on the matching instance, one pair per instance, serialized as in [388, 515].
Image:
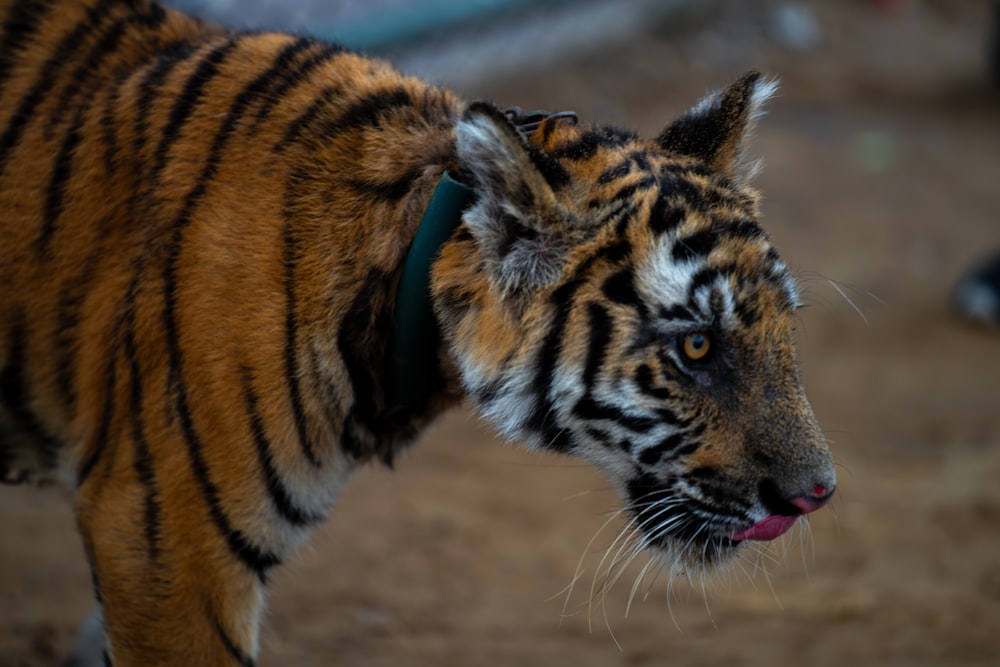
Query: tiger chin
[237, 267]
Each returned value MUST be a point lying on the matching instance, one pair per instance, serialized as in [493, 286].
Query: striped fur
[203, 235]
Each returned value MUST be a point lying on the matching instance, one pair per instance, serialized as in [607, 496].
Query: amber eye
[696, 346]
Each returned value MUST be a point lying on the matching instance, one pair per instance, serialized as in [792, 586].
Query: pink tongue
[768, 529]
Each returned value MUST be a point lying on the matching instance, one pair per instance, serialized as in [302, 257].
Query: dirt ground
[882, 181]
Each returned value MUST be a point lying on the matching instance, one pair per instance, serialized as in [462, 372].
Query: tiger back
[204, 234]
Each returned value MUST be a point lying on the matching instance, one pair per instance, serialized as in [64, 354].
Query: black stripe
[47, 76]
[704, 277]
[98, 445]
[281, 75]
[367, 111]
[691, 195]
[18, 29]
[282, 501]
[745, 229]
[628, 191]
[620, 288]
[363, 355]
[600, 337]
[694, 246]
[748, 311]
[300, 76]
[252, 92]
[620, 170]
[106, 659]
[653, 455]
[688, 449]
[702, 474]
[307, 117]
[615, 252]
[676, 312]
[149, 87]
[542, 419]
[88, 68]
[599, 434]
[693, 442]
[621, 216]
[554, 173]
[585, 146]
[582, 148]
[56, 190]
[64, 342]
[487, 393]
[234, 651]
[665, 217]
[291, 348]
[592, 410]
[15, 394]
[456, 299]
[184, 106]
[143, 463]
[257, 560]
[644, 381]
[109, 125]
[387, 191]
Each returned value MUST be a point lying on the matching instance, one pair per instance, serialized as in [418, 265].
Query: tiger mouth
[766, 530]
[712, 546]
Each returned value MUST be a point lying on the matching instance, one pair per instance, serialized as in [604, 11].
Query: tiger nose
[783, 503]
[817, 497]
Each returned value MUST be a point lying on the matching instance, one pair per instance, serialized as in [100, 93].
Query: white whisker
[849, 302]
[637, 583]
[579, 566]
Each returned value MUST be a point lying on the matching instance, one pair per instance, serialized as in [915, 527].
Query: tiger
[225, 291]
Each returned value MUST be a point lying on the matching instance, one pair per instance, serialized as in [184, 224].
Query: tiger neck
[414, 341]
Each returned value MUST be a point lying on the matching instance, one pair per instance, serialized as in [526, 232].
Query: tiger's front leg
[171, 589]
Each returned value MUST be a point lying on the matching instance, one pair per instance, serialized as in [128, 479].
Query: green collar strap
[413, 345]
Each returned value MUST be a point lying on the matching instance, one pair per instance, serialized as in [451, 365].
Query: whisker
[774, 593]
[637, 583]
[652, 536]
[628, 534]
[739, 563]
[849, 302]
[578, 573]
[656, 575]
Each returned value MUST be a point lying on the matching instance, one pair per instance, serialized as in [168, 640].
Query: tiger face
[615, 298]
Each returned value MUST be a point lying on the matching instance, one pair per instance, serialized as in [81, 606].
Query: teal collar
[413, 345]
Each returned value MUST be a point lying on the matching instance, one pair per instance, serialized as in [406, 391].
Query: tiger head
[614, 297]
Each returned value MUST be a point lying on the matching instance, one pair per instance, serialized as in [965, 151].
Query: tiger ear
[714, 129]
[517, 222]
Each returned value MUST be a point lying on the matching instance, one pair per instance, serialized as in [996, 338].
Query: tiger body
[203, 236]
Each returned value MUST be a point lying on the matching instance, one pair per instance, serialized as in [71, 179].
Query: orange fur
[203, 236]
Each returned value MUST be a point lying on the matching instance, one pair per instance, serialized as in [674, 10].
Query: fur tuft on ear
[517, 221]
[715, 129]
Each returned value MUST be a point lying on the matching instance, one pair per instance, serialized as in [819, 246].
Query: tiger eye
[696, 346]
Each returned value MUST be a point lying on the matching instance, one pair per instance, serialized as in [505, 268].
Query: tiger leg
[170, 590]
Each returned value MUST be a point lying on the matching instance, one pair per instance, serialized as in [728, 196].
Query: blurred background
[882, 190]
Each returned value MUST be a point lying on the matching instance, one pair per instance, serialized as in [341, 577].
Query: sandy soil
[883, 157]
